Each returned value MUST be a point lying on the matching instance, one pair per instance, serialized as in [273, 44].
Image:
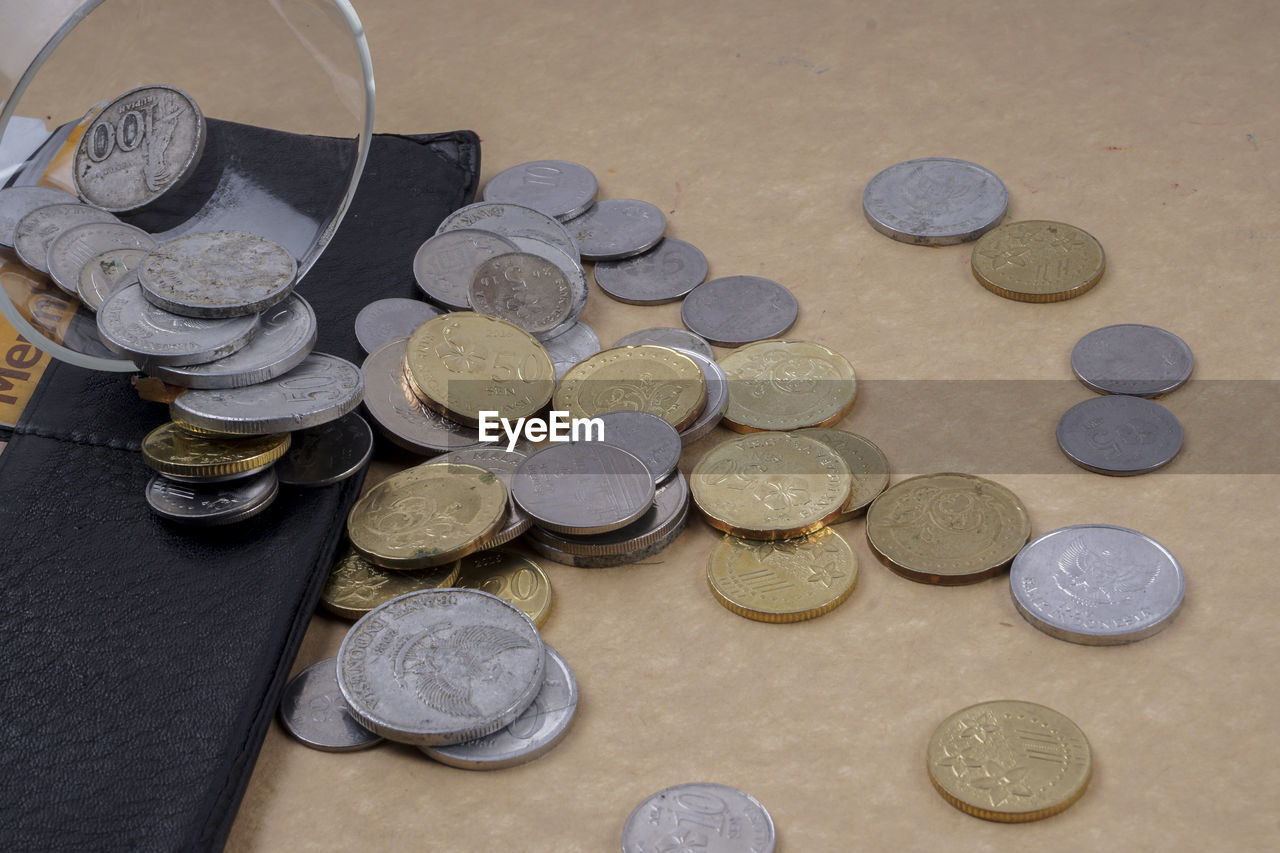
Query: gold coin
[463, 363]
[1009, 761]
[867, 464]
[947, 528]
[175, 452]
[428, 515]
[785, 385]
[1038, 261]
[512, 577]
[643, 378]
[787, 580]
[770, 485]
[356, 586]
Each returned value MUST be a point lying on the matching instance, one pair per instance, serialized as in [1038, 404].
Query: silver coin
[503, 465]
[444, 264]
[217, 274]
[668, 337]
[572, 270]
[670, 504]
[558, 188]
[617, 228]
[107, 273]
[212, 505]
[143, 144]
[533, 734]
[583, 488]
[647, 437]
[571, 346]
[510, 220]
[322, 388]
[1097, 584]
[286, 334]
[39, 228]
[17, 202]
[313, 711]
[717, 397]
[387, 319]
[74, 248]
[665, 273]
[739, 309]
[1119, 435]
[440, 666]
[1129, 358]
[935, 201]
[605, 561]
[327, 454]
[524, 289]
[716, 818]
[399, 415]
[150, 336]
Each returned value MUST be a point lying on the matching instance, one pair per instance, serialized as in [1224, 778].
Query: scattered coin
[502, 464]
[571, 346]
[583, 488]
[644, 378]
[721, 820]
[557, 188]
[669, 510]
[355, 586]
[107, 273]
[523, 289]
[387, 319]
[666, 337]
[935, 201]
[866, 462]
[445, 263]
[150, 336]
[784, 385]
[1038, 261]
[717, 397]
[39, 228]
[210, 505]
[665, 273]
[217, 274]
[512, 577]
[617, 228]
[74, 248]
[573, 272]
[399, 415]
[327, 454]
[739, 309]
[313, 711]
[1129, 358]
[1119, 435]
[647, 437]
[180, 455]
[510, 220]
[17, 202]
[786, 580]
[543, 546]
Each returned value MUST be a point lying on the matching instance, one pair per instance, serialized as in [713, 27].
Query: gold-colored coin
[173, 451]
[770, 485]
[784, 385]
[787, 580]
[463, 363]
[356, 586]
[512, 577]
[1009, 761]
[199, 430]
[428, 515]
[947, 528]
[1038, 261]
[644, 378]
[867, 464]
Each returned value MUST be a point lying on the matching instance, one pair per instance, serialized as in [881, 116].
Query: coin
[510, 220]
[669, 509]
[313, 711]
[617, 228]
[1038, 261]
[644, 378]
[39, 228]
[647, 437]
[445, 263]
[387, 319]
[667, 337]
[427, 516]
[1129, 358]
[462, 364]
[739, 309]
[17, 202]
[867, 464]
[440, 666]
[212, 505]
[74, 248]
[355, 586]
[603, 561]
[935, 201]
[503, 464]
[573, 272]
[786, 580]
[217, 274]
[1097, 584]
[717, 398]
[557, 188]
[784, 385]
[523, 289]
[1009, 761]
[1119, 435]
[150, 336]
[770, 485]
[399, 415]
[533, 734]
[571, 346]
[327, 454]
[170, 450]
[947, 528]
[714, 818]
[141, 145]
[512, 577]
[665, 273]
[582, 488]
[107, 273]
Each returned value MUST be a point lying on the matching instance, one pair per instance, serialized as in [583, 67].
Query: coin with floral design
[786, 580]
[356, 586]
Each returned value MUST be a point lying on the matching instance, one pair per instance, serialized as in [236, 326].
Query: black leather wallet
[144, 661]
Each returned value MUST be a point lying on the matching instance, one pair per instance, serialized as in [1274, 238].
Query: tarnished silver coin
[524, 289]
[215, 504]
[1130, 358]
[717, 397]
[571, 346]
[669, 510]
[647, 437]
[935, 201]
[1119, 435]
[387, 319]
[217, 274]
[583, 488]
[107, 273]
[617, 228]
[286, 334]
[558, 188]
[605, 561]
[74, 248]
[440, 666]
[668, 337]
[572, 270]
[510, 220]
[713, 818]
[503, 465]
[313, 711]
[399, 415]
[39, 228]
[17, 202]
[665, 273]
[327, 454]
[141, 145]
[444, 264]
[739, 309]
[322, 388]
[533, 734]
[1097, 584]
[150, 336]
